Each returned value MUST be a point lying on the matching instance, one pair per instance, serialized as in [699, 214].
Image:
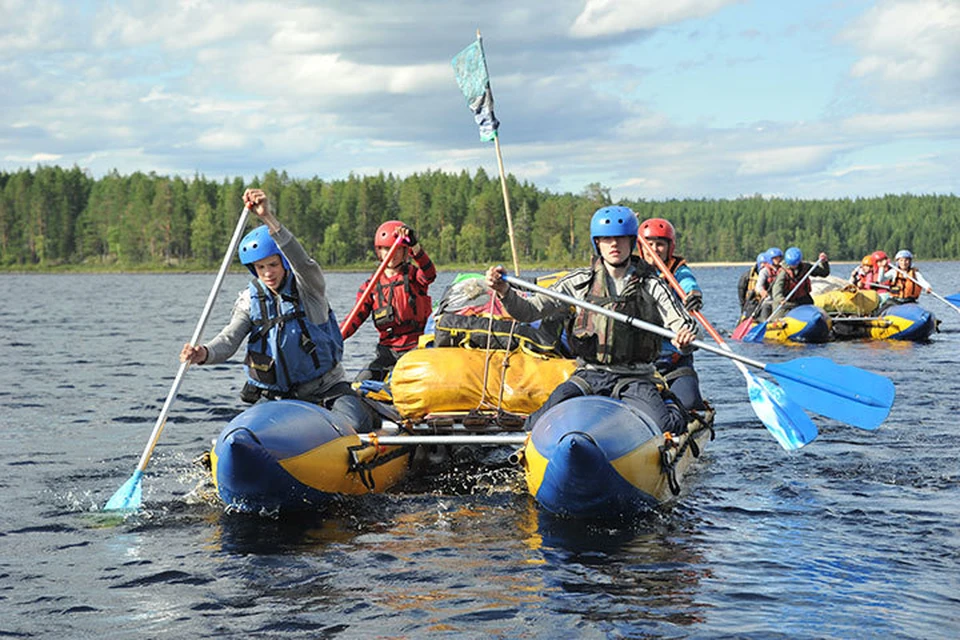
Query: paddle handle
[622, 317]
[201, 323]
[370, 285]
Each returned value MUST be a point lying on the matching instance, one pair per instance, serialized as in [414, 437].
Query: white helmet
[903, 253]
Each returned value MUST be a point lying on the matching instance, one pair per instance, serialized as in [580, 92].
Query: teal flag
[470, 68]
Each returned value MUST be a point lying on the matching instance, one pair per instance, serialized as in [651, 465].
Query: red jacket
[400, 304]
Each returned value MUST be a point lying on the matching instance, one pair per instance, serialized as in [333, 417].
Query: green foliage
[55, 217]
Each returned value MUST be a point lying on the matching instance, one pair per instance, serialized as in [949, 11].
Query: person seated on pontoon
[863, 274]
[907, 281]
[792, 276]
[614, 359]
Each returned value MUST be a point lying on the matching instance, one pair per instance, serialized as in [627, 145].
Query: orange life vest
[905, 288]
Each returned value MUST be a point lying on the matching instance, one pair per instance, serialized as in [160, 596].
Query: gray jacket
[664, 309]
[312, 288]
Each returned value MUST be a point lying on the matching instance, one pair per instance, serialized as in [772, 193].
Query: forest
[54, 218]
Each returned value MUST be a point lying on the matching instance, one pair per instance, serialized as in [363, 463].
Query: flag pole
[503, 180]
[470, 69]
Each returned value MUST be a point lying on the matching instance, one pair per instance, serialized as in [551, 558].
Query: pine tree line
[53, 216]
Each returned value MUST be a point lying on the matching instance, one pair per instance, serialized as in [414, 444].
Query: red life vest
[792, 277]
[401, 307]
[865, 280]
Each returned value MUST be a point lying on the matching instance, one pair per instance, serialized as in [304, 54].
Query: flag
[470, 68]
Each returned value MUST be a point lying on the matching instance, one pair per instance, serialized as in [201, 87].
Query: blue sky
[651, 99]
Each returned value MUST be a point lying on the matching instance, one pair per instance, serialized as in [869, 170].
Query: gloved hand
[411, 236]
[693, 301]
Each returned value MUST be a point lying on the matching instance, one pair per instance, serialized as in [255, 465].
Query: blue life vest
[284, 348]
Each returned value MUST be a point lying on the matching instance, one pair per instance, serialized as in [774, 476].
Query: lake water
[853, 536]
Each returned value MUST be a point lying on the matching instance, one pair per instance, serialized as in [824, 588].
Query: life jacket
[674, 263]
[599, 339]
[864, 280]
[752, 284]
[767, 282]
[905, 288]
[401, 307]
[284, 348]
[792, 277]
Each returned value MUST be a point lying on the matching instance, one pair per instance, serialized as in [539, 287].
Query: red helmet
[659, 228]
[879, 255]
[386, 234]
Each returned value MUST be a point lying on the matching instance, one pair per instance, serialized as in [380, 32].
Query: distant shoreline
[237, 269]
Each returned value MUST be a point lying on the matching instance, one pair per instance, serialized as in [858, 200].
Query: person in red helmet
[398, 302]
[676, 367]
[882, 279]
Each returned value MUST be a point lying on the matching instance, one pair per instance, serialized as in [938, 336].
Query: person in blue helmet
[793, 272]
[294, 347]
[613, 358]
[746, 287]
[763, 288]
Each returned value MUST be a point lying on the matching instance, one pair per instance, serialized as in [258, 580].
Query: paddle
[791, 427]
[129, 496]
[955, 306]
[756, 334]
[745, 324]
[842, 392]
[373, 282]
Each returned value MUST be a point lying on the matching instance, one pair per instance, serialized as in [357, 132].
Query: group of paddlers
[777, 282]
[896, 284]
[294, 346]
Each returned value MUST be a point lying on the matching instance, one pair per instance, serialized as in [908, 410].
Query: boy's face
[270, 271]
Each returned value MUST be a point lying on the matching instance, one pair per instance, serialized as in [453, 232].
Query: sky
[653, 100]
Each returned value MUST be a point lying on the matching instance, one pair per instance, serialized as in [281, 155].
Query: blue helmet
[762, 258]
[258, 245]
[774, 252]
[613, 221]
[792, 257]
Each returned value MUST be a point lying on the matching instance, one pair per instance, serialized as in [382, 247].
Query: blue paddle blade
[954, 299]
[842, 392]
[129, 497]
[791, 427]
[756, 334]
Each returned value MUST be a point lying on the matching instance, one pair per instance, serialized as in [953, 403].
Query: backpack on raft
[470, 316]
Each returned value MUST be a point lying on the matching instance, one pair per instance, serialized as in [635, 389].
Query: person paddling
[613, 359]
[675, 366]
[907, 281]
[746, 287]
[765, 279]
[398, 302]
[862, 276]
[294, 346]
[794, 270]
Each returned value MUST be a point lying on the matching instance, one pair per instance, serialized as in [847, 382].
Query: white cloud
[612, 17]
[908, 41]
